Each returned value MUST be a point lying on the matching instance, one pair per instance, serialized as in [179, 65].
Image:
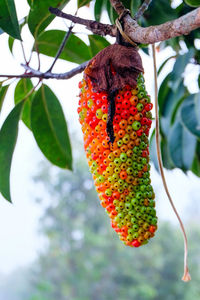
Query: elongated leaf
[8, 18]
[169, 102]
[159, 12]
[190, 114]
[134, 5]
[153, 153]
[97, 43]
[11, 40]
[193, 3]
[8, 138]
[83, 3]
[179, 68]
[182, 145]
[50, 129]
[23, 87]
[164, 63]
[75, 49]
[39, 16]
[98, 8]
[196, 162]
[3, 91]
[196, 166]
[167, 162]
[199, 80]
[111, 12]
[11, 43]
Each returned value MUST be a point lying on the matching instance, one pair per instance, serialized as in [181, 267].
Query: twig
[23, 51]
[31, 91]
[186, 275]
[142, 9]
[66, 37]
[118, 6]
[94, 26]
[48, 75]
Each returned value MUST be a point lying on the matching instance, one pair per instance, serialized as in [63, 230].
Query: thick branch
[47, 75]
[149, 35]
[152, 34]
[94, 26]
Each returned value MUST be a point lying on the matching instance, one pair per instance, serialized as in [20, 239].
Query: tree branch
[94, 26]
[152, 34]
[48, 75]
[149, 35]
[142, 9]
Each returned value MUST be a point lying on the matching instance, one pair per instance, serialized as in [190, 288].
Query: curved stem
[186, 276]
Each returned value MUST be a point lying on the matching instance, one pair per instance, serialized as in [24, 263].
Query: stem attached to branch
[186, 276]
[66, 37]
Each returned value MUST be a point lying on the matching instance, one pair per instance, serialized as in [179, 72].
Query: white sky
[20, 241]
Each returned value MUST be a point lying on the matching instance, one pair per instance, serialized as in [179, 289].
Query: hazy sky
[20, 241]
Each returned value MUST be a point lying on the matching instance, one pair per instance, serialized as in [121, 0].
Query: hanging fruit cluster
[120, 168]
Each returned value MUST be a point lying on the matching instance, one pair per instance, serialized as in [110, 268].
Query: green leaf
[39, 16]
[164, 63]
[83, 3]
[166, 158]
[182, 145]
[169, 102]
[159, 12]
[134, 5]
[179, 68]
[153, 153]
[190, 114]
[196, 162]
[11, 43]
[23, 87]
[98, 9]
[193, 3]
[196, 166]
[8, 138]
[11, 40]
[8, 18]
[75, 49]
[97, 43]
[3, 91]
[111, 12]
[50, 129]
[199, 80]
[167, 162]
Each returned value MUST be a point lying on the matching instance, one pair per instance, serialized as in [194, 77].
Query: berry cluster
[121, 169]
